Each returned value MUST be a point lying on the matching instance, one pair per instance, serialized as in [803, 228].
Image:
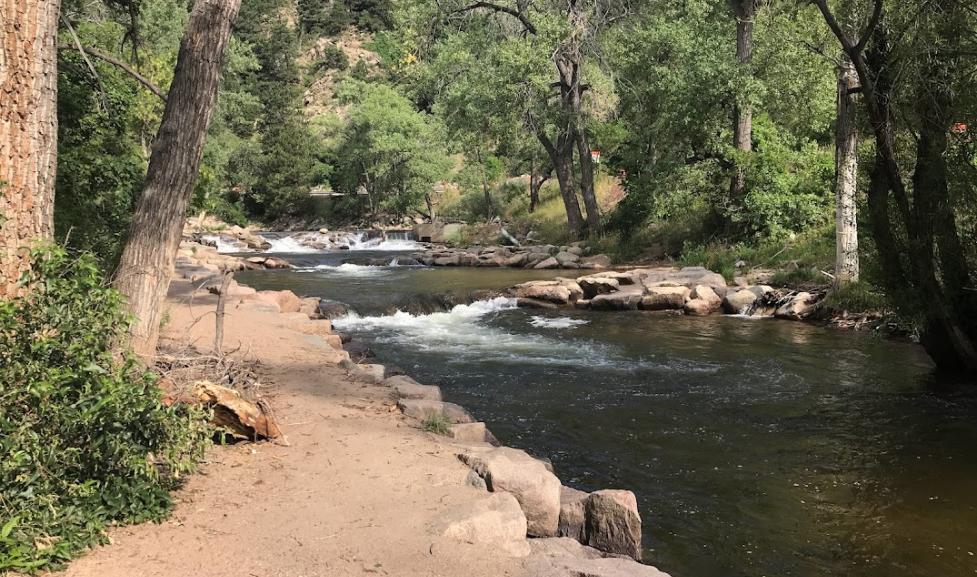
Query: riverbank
[356, 487]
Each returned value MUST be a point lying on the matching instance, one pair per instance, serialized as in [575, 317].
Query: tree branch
[870, 29]
[526, 23]
[91, 67]
[106, 57]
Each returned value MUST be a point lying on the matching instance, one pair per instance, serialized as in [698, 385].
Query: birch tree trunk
[28, 130]
[846, 178]
[147, 260]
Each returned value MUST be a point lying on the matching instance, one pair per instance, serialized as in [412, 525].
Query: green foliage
[855, 298]
[437, 424]
[85, 438]
[332, 58]
[389, 150]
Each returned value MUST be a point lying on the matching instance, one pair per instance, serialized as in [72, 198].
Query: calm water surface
[756, 447]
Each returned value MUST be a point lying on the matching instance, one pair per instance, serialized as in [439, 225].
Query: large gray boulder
[702, 301]
[514, 471]
[547, 263]
[661, 298]
[495, 519]
[417, 391]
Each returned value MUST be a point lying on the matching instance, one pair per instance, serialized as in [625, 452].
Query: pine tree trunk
[846, 179]
[28, 131]
[742, 113]
[147, 260]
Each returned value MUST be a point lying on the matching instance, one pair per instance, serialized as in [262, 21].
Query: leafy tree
[389, 150]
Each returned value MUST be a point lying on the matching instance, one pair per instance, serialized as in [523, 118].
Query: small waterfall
[305, 242]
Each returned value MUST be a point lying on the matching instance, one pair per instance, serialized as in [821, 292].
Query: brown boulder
[613, 524]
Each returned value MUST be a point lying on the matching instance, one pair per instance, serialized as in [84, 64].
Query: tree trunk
[846, 178]
[587, 189]
[745, 11]
[561, 158]
[147, 260]
[486, 190]
[537, 178]
[28, 131]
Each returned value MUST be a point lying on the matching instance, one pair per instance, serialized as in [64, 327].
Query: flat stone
[472, 433]
[422, 409]
[594, 285]
[370, 373]
[623, 300]
[547, 263]
[416, 391]
[549, 291]
[564, 557]
[495, 519]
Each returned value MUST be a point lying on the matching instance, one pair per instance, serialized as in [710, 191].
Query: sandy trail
[354, 493]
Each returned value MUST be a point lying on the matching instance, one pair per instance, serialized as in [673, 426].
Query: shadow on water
[755, 447]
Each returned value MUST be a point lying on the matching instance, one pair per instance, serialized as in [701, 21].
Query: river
[755, 447]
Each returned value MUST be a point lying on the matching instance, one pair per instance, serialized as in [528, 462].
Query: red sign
[959, 128]
[595, 156]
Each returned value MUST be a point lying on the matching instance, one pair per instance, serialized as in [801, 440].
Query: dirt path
[354, 493]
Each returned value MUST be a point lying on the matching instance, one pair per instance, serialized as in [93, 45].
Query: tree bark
[147, 260]
[537, 178]
[745, 11]
[28, 131]
[587, 187]
[561, 158]
[846, 178]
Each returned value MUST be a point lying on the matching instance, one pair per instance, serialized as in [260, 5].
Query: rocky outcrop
[573, 256]
[534, 486]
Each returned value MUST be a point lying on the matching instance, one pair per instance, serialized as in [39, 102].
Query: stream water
[755, 447]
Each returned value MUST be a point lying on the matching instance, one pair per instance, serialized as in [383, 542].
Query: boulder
[593, 286]
[612, 522]
[276, 263]
[536, 488]
[737, 302]
[564, 557]
[370, 373]
[572, 514]
[576, 292]
[310, 307]
[661, 298]
[595, 262]
[566, 258]
[422, 409]
[549, 291]
[547, 263]
[517, 260]
[234, 290]
[330, 310]
[286, 300]
[472, 433]
[798, 307]
[399, 380]
[416, 391]
[495, 519]
[623, 300]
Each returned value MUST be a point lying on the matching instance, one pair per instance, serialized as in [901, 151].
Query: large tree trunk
[846, 178]
[28, 130]
[147, 260]
[561, 158]
[537, 178]
[745, 11]
[587, 187]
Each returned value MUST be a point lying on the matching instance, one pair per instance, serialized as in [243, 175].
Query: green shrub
[333, 58]
[85, 439]
[855, 298]
[437, 424]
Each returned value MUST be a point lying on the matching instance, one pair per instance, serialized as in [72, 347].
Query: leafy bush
[85, 439]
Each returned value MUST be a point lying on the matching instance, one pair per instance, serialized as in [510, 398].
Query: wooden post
[221, 302]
